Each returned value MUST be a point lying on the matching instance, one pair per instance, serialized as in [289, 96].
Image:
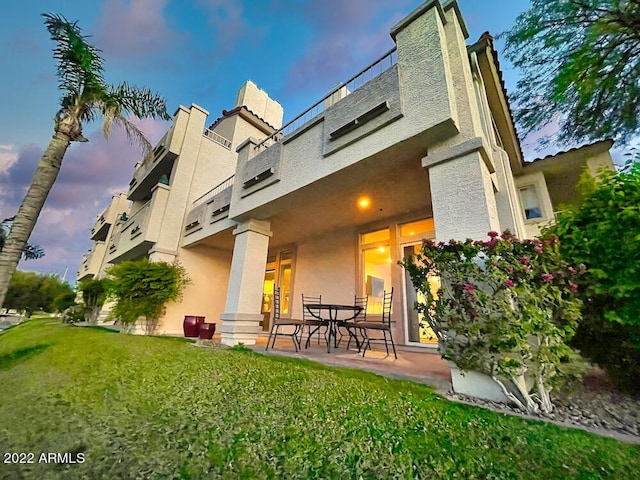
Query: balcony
[140, 231]
[357, 81]
[92, 262]
[157, 164]
[100, 230]
[205, 218]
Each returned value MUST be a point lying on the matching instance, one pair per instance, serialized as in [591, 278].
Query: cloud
[7, 157]
[345, 35]
[134, 29]
[226, 17]
[91, 173]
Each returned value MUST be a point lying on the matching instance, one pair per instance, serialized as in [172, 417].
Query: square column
[462, 192]
[241, 317]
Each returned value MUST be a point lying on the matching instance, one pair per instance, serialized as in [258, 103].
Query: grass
[143, 407]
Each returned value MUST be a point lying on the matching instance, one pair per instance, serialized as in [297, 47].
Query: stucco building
[420, 144]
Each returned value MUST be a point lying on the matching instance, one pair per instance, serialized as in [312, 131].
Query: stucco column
[241, 317]
[462, 192]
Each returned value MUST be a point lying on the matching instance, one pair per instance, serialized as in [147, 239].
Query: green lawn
[140, 407]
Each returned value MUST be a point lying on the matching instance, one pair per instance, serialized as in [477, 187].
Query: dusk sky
[189, 51]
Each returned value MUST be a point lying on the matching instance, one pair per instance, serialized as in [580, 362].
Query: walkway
[423, 367]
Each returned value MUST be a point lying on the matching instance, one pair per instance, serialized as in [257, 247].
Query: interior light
[381, 249]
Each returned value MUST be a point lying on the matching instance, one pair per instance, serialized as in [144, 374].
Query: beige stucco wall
[326, 266]
[258, 101]
[208, 270]
[214, 164]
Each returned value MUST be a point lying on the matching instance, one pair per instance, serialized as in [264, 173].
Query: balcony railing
[214, 191]
[219, 139]
[382, 64]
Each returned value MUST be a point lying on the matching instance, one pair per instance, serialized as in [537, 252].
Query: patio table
[331, 317]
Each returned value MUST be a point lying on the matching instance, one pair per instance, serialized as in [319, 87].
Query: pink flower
[525, 260]
[547, 277]
[509, 283]
[469, 288]
[573, 287]
[493, 234]
[539, 250]
[571, 269]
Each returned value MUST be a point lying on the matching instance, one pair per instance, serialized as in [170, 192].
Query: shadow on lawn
[10, 359]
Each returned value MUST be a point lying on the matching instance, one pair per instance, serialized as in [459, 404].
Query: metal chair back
[306, 300]
[387, 300]
[276, 306]
[362, 302]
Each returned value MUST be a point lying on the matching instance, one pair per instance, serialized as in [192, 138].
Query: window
[530, 202]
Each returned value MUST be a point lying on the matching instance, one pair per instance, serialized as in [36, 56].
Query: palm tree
[30, 252]
[85, 97]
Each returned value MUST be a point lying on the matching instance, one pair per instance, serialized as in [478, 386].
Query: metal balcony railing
[219, 139]
[382, 64]
[214, 191]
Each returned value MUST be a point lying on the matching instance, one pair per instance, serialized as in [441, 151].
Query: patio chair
[384, 326]
[312, 323]
[351, 326]
[283, 322]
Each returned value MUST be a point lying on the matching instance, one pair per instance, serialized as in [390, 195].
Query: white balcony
[92, 262]
[140, 231]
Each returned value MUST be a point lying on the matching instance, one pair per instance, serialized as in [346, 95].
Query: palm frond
[80, 65]
[30, 252]
[140, 102]
[134, 133]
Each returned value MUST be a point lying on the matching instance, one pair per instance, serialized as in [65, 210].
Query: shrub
[142, 288]
[603, 232]
[73, 314]
[94, 294]
[505, 308]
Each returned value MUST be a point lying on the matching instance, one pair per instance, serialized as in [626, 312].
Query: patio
[423, 367]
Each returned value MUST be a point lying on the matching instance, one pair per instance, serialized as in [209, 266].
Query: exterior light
[364, 202]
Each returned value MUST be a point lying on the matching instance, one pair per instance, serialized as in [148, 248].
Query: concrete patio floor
[424, 367]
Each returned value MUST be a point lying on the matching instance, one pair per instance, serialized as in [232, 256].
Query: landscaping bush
[94, 294]
[142, 288]
[73, 314]
[603, 232]
[505, 308]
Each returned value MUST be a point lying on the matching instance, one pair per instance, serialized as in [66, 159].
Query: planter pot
[206, 331]
[191, 325]
[476, 384]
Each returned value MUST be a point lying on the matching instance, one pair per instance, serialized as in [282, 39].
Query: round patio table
[328, 312]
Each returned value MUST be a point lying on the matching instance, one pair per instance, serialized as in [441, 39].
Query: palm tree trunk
[25, 221]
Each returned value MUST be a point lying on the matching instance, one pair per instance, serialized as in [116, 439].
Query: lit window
[530, 202]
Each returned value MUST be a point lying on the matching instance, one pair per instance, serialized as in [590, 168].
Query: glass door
[278, 274]
[267, 293]
[418, 330]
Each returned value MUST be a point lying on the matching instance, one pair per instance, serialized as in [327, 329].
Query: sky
[188, 51]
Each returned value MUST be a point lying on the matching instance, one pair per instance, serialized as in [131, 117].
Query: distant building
[420, 144]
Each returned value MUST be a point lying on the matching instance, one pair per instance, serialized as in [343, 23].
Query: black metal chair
[313, 324]
[384, 326]
[283, 322]
[351, 326]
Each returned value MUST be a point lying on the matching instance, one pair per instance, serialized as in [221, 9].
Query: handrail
[217, 138]
[350, 85]
[215, 190]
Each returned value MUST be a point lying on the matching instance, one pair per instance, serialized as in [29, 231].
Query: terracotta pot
[191, 325]
[206, 331]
